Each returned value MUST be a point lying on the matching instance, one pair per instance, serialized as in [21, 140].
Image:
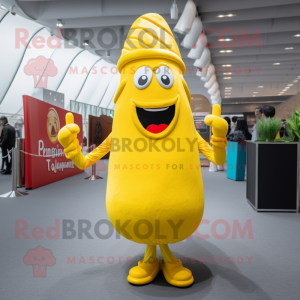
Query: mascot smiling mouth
[156, 120]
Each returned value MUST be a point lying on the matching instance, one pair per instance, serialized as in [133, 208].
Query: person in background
[241, 131]
[227, 119]
[283, 130]
[269, 112]
[233, 124]
[8, 140]
[258, 115]
[2, 163]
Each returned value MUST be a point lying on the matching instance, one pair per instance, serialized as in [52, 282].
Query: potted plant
[293, 127]
[273, 166]
[268, 129]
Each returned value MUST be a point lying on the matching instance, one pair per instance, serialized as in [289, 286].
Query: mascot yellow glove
[219, 127]
[67, 137]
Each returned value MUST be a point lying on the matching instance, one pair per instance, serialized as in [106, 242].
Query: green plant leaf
[294, 125]
[285, 139]
[268, 128]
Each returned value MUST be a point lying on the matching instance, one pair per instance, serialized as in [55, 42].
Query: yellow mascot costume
[154, 189]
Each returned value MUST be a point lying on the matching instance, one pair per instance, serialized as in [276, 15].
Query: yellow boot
[176, 274]
[144, 272]
[147, 268]
[173, 270]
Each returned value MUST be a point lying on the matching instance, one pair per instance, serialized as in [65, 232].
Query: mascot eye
[142, 77]
[164, 76]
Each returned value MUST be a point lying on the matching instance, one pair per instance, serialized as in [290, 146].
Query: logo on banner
[39, 258]
[53, 125]
[40, 68]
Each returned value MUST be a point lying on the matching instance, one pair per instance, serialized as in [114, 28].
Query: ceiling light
[287, 87]
[252, 102]
[228, 73]
[174, 11]
[209, 73]
[211, 81]
[276, 64]
[223, 51]
[297, 35]
[203, 60]
[224, 16]
[197, 50]
[260, 87]
[228, 88]
[204, 70]
[290, 48]
[191, 38]
[185, 22]
[227, 78]
[295, 81]
[85, 43]
[226, 66]
[227, 97]
[254, 96]
[214, 88]
[255, 92]
[13, 10]
[225, 40]
[290, 84]
[59, 23]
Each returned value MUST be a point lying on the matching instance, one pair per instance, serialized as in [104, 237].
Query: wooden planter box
[273, 176]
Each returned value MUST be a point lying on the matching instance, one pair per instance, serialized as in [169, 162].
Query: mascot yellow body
[154, 190]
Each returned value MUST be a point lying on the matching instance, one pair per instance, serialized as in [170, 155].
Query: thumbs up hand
[67, 137]
[219, 125]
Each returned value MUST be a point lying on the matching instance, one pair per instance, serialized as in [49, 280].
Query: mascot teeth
[156, 109]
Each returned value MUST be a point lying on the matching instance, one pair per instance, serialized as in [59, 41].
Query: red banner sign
[42, 123]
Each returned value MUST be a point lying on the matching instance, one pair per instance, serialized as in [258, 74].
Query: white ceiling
[277, 21]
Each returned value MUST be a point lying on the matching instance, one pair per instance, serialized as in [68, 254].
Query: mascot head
[152, 93]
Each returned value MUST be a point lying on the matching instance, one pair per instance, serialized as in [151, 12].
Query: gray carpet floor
[265, 266]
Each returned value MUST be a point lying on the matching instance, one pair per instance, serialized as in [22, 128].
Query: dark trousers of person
[6, 160]
[2, 163]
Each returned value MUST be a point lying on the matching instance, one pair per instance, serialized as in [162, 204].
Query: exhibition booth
[46, 161]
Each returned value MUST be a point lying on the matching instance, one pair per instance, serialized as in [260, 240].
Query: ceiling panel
[275, 21]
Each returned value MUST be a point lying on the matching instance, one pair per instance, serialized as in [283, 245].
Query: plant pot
[273, 176]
